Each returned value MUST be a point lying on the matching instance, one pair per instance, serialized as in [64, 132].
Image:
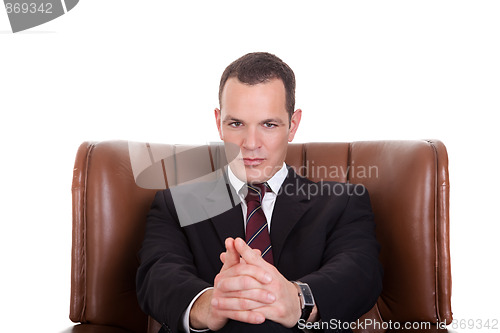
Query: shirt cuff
[185, 315]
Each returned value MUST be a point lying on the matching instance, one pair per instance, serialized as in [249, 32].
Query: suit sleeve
[167, 278]
[350, 279]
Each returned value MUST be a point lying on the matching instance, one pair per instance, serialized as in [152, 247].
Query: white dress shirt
[268, 202]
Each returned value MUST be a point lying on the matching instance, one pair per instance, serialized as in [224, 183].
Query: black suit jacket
[322, 234]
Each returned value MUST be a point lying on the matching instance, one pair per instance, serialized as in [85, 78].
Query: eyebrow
[269, 120]
[273, 120]
[231, 119]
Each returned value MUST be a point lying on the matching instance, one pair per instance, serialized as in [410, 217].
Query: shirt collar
[274, 182]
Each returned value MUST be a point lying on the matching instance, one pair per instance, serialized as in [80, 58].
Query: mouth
[253, 161]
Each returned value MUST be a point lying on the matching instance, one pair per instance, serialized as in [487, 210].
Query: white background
[149, 71]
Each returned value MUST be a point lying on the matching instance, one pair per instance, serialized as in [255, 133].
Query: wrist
[306, 298]
[198, 316]
[297, 309]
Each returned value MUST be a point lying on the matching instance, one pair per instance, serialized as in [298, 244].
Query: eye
[235, 124]
[270, 125]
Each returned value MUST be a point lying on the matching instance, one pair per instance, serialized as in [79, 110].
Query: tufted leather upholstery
[408, 185]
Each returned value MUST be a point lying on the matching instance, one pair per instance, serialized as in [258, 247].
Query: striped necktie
[257, 232]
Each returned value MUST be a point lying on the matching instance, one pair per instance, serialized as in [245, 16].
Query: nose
[252, 139]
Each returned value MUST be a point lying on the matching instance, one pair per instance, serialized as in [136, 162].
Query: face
[254, 118]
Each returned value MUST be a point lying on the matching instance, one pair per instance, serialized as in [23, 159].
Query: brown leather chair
[408, 185]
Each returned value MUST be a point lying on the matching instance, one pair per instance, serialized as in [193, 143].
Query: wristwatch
[306, 299]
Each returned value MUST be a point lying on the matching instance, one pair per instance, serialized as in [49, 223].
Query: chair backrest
[408, 185]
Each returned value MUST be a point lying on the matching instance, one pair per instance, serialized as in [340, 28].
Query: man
[218, 275]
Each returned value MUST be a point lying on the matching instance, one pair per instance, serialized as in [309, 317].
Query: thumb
[251, 256]
[231, 257]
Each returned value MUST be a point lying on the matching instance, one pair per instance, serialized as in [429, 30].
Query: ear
[218, 121]
[294, 124]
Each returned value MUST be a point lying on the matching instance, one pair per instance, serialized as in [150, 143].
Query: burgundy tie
[257, 233]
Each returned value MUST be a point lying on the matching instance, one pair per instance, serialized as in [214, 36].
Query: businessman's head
[257, 100]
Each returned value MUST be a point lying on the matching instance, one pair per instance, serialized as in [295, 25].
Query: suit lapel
[291, 203]
[228, 223]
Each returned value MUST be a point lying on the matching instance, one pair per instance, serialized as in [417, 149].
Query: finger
[235, 304]
[237, 283]
[232, 257]
[250, 317]
[279, 314]
[258, 295]
[258, 273]
[257, 251]
[223, 257]
[248, 254]
[269, 311]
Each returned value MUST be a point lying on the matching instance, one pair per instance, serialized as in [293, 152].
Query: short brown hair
[260, 67]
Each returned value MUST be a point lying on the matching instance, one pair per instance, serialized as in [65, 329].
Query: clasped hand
[247, 289]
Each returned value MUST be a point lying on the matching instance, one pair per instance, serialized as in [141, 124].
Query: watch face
[306, 292]
[308, 298]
